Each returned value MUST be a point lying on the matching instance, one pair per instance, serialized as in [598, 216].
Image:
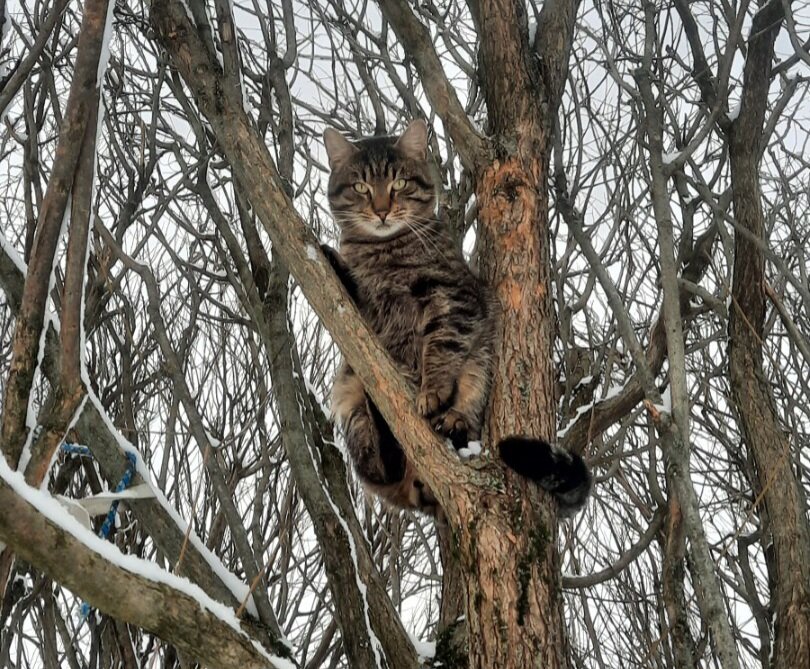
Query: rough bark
[520, 595]
[768, 447]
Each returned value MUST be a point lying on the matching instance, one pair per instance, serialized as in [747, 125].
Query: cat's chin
[380, 231]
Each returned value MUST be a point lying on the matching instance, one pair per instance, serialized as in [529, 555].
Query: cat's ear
[338, 148]
[413, 142]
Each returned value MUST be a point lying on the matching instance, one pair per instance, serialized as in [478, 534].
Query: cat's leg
[436, 402]
[377, 456]
[342, 271]
[448, 325]
[455, 364]
[462, 420]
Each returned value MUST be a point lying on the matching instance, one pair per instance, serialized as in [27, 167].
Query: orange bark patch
[510, 294]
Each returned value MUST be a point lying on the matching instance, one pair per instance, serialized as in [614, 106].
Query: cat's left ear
[413, 142]
[338, 148]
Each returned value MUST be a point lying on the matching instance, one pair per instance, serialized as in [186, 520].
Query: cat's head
[380, 186]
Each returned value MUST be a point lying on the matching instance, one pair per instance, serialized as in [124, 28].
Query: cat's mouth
[387, 227]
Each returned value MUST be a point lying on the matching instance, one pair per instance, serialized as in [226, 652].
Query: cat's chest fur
[385, 275]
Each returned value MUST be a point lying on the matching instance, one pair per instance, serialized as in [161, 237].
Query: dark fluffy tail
[565, 475]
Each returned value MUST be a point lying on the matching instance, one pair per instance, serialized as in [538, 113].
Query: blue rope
[123, 484]
[76, 449]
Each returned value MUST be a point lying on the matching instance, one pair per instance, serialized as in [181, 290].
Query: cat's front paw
[453, 425]
[434, 399]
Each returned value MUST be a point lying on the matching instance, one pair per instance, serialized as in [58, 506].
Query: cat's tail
[565, 475]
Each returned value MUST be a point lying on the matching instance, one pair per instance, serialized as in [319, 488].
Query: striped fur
[433, 315]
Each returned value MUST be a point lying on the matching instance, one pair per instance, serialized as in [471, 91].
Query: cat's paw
[452, 425]
[433, 400]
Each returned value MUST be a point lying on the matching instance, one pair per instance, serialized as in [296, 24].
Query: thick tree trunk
[514, 601]
[776, 484]
[769, 448]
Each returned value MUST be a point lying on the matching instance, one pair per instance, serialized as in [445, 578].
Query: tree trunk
[514, 601]
[514, 598]
[776, 484]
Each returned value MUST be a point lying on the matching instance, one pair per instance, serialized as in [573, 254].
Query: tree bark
[514, 599]
[776, 483]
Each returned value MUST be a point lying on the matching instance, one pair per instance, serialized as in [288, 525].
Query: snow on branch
[40, 530]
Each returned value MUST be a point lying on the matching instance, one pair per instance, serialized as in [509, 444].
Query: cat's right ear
[338, 148]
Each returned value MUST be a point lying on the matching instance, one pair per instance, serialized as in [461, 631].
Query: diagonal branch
[418, 44]
[125, 587]
[300, 252]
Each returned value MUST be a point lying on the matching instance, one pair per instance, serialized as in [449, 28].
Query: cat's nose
[382, 215]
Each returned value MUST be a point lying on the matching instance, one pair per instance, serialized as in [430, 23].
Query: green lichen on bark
[539, 538]
[450, 650]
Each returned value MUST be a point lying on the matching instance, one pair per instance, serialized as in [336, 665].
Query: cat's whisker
[424, 237]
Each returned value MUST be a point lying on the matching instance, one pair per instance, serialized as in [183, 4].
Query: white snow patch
[105, 45]
[584, 381]
[564, 430]
[734, 110]
[11, 252]
[426, 650]
[532, 32]
[666, 401]
[472, 449]
[312, 253]
[670, 158]
[611, 393]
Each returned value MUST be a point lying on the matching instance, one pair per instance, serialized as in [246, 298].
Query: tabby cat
[433, 315]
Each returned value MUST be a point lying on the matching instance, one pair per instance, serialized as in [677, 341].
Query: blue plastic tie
[76, 449]
[109, 521]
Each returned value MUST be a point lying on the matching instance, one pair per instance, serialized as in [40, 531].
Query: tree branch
[122, 586]
[298, 248]
[418, 44]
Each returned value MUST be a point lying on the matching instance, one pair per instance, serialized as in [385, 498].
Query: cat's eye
[360, 187]
[399, 184]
